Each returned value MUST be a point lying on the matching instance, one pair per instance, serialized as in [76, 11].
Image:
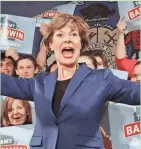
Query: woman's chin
[69, 63]
[18, 123]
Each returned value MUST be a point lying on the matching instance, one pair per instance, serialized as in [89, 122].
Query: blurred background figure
[7, 64]
[136, 75]
[86, 57]
[101, 58]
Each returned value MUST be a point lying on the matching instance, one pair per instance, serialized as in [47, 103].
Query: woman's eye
[19, 107]
[74, 34]
[9, 110]
[59, 35]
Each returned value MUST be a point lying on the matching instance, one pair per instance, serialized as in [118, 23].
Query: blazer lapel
[76, 80]
[50, 83]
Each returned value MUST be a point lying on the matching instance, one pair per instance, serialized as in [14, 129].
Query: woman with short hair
[16, 112]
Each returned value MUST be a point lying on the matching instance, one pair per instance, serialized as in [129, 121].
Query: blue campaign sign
[45, 11]
[17, 32]
[125, 126]
[132, 13]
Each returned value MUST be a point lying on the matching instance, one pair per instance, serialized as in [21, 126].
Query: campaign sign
[66, 8]
[17, 32]
[23, 33]
[132, 13]
[125, 126]
[45, 17]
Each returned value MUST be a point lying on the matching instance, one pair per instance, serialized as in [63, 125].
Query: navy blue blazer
[77, 126]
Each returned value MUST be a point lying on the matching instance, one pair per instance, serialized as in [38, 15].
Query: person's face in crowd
[7, 66]
[136, 77]
[87, 60]
[26, 68]
[66, 43]
[17, 113]
[53, 67]
[99, 62]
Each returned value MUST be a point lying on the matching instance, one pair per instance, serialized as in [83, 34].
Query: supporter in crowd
[123, 63]
[101, 58]
[69, 102]
[136, 75]
[12, 52]
[86, 56]
[16, 112]
[27, 60]
[7, 65]
[26, 66]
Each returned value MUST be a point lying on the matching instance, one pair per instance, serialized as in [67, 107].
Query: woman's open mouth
[17, 118]
[68, 52]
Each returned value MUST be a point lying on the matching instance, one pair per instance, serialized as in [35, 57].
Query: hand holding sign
[44, 30]
[12, 52]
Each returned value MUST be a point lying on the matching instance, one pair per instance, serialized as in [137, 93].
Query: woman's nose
[15, 111]
[67, 39]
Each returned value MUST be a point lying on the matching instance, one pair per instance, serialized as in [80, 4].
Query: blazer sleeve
[122, 91]
[19, 88]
